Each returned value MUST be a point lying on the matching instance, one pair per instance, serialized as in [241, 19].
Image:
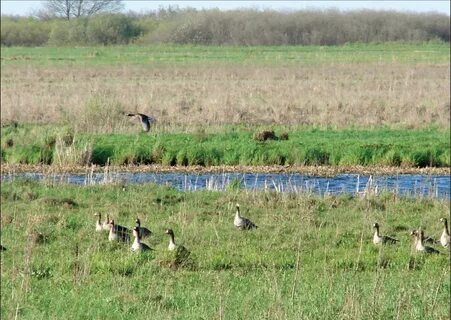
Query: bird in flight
[145, 120]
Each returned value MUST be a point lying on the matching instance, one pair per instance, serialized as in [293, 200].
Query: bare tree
[81, 8]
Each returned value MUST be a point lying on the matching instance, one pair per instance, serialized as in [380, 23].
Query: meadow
[377, 104]
[189, 87]
[310, 258]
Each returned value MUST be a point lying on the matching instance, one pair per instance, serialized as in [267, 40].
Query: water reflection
[408, 185]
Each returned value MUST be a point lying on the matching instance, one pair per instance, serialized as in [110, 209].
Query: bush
[72, 32]
[235, 27]
[111, 29]
[27, 32]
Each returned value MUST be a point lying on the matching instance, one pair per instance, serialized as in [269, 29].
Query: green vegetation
[187, 55]
[236, 27]
[310, 258]
[233, 146]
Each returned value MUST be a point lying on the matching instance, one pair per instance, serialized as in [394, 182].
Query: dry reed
[338, 95]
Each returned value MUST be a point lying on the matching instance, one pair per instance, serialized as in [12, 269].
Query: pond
[407, 184]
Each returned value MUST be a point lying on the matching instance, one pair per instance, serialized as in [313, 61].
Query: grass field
[232, 146]
[164, 55]
[367, 86]
[310, 258]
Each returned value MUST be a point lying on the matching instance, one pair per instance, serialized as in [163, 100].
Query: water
[406, 185]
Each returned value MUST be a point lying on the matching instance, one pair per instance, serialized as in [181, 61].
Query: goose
[181, 253]
[172, 246]
[426, 239]
[419, 246]
[118, 233]
[144, 119]
[137, 245]
[143, 231]
[106, 223]
[99, 226]
[445, 238]
[378, 239]
[242, 223]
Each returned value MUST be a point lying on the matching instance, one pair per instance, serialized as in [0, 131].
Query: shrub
[111, 29]
[27, 32]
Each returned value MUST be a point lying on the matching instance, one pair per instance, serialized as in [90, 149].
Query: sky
[19, 7]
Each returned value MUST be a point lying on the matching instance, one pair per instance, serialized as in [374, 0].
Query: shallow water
[407, 185]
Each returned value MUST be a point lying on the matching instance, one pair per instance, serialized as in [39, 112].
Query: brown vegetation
[265, 135]
[327, 95]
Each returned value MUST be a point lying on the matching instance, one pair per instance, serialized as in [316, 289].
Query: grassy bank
[229, 146]
[310, 258]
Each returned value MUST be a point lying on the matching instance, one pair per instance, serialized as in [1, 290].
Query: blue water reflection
[408, 185]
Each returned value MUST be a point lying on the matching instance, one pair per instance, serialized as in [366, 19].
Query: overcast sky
[19, 7]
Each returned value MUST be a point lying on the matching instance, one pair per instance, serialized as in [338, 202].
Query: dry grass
[339, 95]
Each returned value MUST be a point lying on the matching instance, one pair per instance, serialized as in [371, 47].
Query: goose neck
[376, 232]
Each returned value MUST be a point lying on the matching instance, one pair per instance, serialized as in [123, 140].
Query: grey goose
[118, 233]
[106, 223]
[181, 253]
[378, 239]
[419, 246]
[145, 120]
[143, 231]
[242, 223]
[137, 245]
[428, 240]
[445, 238]
[99, 225]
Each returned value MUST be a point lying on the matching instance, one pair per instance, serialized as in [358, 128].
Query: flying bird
[145, 120]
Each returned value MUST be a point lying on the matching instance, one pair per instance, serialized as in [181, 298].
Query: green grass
[230, 146]
[188, 55]
[310, 258]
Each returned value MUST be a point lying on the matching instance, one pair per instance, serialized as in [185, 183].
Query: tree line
[247, 27]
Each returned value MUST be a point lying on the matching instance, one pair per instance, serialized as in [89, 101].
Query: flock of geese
[419, 239]
[121, 233]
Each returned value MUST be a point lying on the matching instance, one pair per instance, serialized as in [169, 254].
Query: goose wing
[248, 224]
[389, 240]
[181, 256]
[144, 232]
[431, 250]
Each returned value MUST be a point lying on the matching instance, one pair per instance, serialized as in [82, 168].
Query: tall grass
[310, 257]
[395, 85]
[231, 146]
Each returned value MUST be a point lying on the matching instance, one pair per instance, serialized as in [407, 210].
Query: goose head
[444, 220]
[376, 225]
[169, 232]
[138, 222]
